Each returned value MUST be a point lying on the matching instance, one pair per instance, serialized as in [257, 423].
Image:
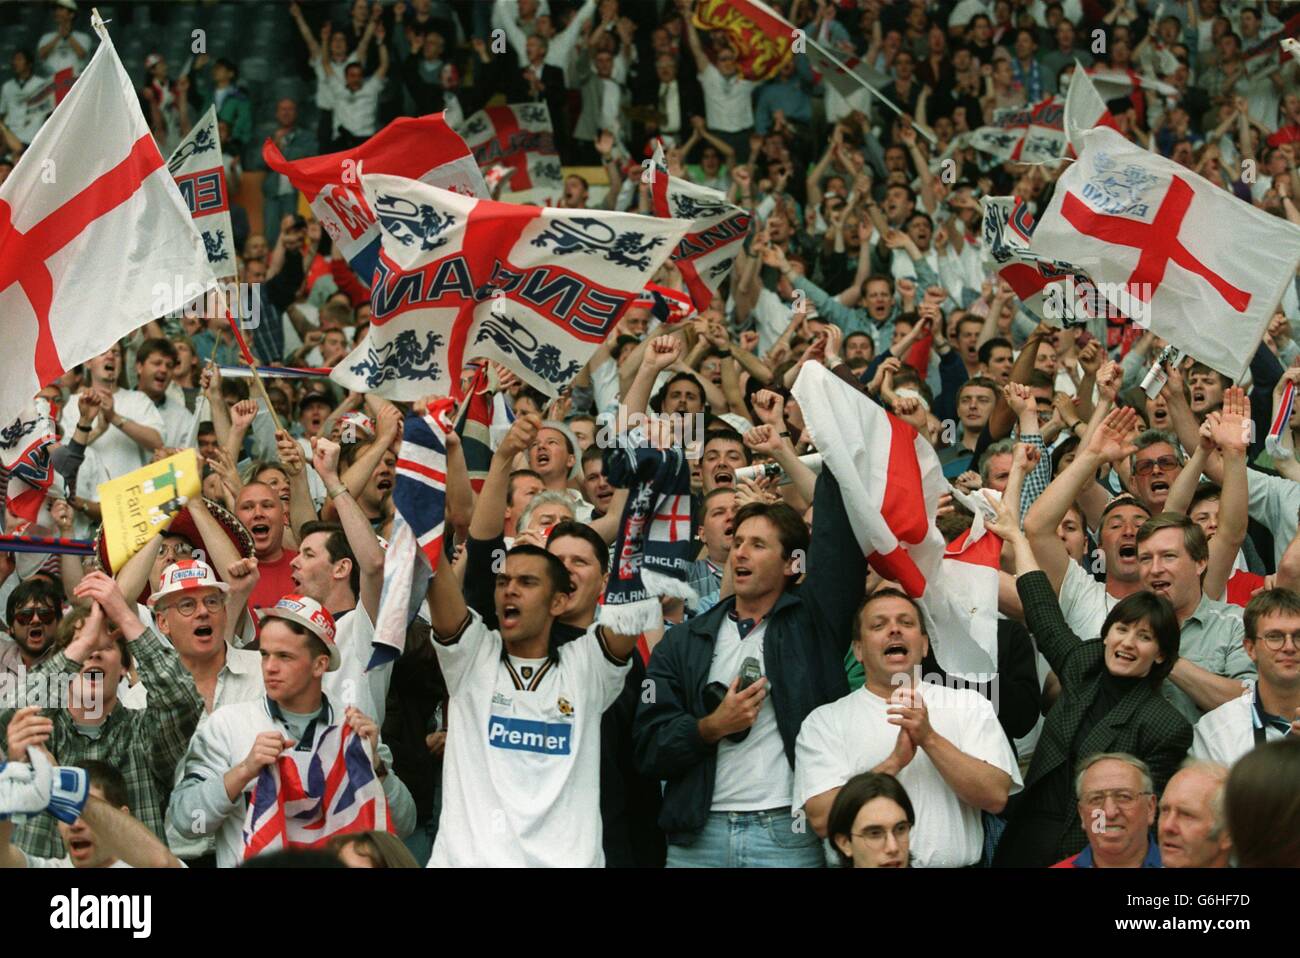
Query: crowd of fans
[1147, 700]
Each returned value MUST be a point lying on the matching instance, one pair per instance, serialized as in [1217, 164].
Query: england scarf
[422, 148]
[705, 255]
[459, 278]
[891, 481]
[652, 553]
[420, 502]
[304, 799]
[25, 455]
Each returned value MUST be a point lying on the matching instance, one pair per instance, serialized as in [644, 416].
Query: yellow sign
[139, 505]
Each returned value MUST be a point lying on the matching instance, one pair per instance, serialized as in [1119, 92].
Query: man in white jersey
[521, 774]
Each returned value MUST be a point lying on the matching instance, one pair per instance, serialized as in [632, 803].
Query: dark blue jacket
[808, 633]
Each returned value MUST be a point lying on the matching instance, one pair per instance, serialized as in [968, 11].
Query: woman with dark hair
[1110, 701]
[1262, 802]
[870, 822]
[372, 850]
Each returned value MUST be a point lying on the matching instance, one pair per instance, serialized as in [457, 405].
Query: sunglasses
[1144, 467]
[25, 616]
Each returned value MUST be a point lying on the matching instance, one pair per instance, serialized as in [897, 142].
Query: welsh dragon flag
[458, 278]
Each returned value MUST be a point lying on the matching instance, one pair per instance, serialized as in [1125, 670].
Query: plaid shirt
[145, 746]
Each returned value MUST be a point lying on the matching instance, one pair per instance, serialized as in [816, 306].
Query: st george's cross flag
[93, 235]
[306, 798]
[707, 252]
[1205, 269]
[535, 289]
[520, 137]
[200, 175]
[423, 148]
[891, 481]
[1025, 134]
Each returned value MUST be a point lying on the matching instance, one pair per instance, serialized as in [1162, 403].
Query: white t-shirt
[1085, 603]
[728, 101]
[521, 773]
[23, 112]
[1227, 733]
[853, 735]
[753, 775]
[63, 56]
[117, 452]
[351, 684]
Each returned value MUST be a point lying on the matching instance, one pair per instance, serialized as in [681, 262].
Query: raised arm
[488, 520]
[693, 36]
[361, 537]
[1230, 432]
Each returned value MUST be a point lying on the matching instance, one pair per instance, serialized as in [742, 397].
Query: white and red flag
[1164, 243]
[423, 148]
[1025, 134]
[535, 289]
[891, 481]
[200, 175]
[520, 138]
[25, 456]
[95, 239]
[707, 252]
[1084, 107]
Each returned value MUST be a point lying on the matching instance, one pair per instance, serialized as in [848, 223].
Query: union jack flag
[25, 455]
[474, 428]
[305, 799]
[420, 493]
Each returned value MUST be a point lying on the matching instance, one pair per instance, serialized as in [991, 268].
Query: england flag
[200, 175]
[706, 253]
[25, 455]
[422, 148]
[304, 799]
[520, 137]
[532, 288]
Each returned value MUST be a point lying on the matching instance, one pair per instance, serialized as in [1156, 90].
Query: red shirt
[276, 581]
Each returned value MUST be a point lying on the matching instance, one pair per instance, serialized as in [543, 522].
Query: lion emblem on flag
[590, 235]
[531, 114]
[689, 208]
[1119, 189]
[408, 222]
[401, 358]
[543, 359]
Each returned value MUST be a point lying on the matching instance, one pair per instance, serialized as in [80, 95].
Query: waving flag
[520, 137]
[1025, 134]
[422, 148]
[1151, 234]
[200, 175]
[1051, 289]
[535, 289]
[705, 254]
[474, 428]
[304, 799]
[762, 39]
[1084, 107]
[969, 572]
[25, 455]
[891, 481]
[669, 306]
[96, 251]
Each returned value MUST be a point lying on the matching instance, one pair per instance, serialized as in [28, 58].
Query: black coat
[808, 634]
[1143, 724]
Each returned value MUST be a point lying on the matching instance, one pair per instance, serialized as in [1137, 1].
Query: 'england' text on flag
[92, 252]
[420, 148]
[201, 177]
[534, 289]
[1162, 241]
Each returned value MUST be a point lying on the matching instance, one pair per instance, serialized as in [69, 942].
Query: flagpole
[248, 356]
[929, 136]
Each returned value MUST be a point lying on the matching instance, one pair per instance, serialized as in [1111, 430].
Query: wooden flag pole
[249, 360]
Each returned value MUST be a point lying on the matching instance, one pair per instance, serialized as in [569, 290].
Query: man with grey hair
[1192, 831]
[543, 511]
[1156, 464]
[1117, 807]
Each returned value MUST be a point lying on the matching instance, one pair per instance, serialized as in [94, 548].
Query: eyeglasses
[1122, 796]
[1144, 467]
[180, 551]
[1275, 641]
[876, 834]
[190, 605]
[47, 616]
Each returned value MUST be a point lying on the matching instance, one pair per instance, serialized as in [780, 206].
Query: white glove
[29, 789]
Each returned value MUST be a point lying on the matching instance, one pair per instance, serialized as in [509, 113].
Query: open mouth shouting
[511, 615]
[1159, 586]
[1159, 488]
[741, 574]
[724, 477]
[1127, 552]
[261, 532]
[203, 634]
[80, 849]
[896, 652]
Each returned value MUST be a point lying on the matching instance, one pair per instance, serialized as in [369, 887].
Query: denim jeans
[766, 839]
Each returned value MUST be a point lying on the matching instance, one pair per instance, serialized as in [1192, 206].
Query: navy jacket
[808, 632]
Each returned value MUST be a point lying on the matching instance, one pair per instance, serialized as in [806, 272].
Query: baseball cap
[186, 576]
[151, 60]
[67, 4]
[312, 616]
[314, 397]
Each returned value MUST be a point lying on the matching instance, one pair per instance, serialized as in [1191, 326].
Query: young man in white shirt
[229, 750]
[135, 424]
[103, 836]
[944, 745]
[728, 97]
[154, 362]
[64, 47]
[355, 98]
[24, 104]
[521, 779]
[1270, 710]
